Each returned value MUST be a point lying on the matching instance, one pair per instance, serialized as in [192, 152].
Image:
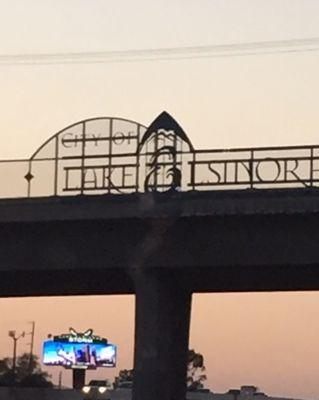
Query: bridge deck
[212, 241]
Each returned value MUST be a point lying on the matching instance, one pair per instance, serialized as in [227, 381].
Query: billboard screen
[79, 355]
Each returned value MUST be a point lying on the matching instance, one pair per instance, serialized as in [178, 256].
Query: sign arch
[96, 155]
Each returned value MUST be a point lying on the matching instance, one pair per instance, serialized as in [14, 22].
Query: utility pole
[31, 343]
[60, 380]
[15, 339]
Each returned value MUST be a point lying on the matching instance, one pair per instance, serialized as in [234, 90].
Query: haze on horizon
[265, 339]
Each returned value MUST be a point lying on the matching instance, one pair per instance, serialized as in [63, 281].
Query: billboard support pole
[78, 379]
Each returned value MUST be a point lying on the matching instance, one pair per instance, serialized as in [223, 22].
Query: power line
[158, 54]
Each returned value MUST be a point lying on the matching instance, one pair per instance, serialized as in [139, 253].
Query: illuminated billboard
[79, 351]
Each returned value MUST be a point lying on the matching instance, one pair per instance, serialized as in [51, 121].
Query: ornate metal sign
[114, 155]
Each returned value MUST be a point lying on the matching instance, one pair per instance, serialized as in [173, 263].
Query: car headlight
[86, 389]
[102, 389]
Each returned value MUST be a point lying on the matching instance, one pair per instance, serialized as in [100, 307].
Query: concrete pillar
[163, 306]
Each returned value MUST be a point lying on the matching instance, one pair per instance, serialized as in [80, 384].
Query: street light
[15, 339]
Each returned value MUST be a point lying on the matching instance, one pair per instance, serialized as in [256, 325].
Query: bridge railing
[255, 168]
[243, 168]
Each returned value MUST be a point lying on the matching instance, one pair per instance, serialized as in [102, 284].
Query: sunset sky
[268, 340]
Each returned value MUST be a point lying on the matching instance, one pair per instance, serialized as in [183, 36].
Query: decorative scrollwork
[172, 172]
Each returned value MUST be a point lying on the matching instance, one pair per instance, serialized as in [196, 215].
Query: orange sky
[269, 340]
[265, 339]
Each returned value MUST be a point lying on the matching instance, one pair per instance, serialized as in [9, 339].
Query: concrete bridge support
[163, 306]
[162, 248]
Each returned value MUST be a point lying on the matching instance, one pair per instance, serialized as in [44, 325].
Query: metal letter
[67, 187]
[92, 180]
[216, 173]
[107, 178]
[124, 175]
[247, 168]
[276, 162]
[292, 172]
[130, 135]
[96, 137]
[65, 140]
[118, 138]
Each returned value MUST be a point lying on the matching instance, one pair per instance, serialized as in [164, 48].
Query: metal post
[60, 380]
[78, 378]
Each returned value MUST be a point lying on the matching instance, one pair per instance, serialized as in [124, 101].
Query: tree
[28, 372]
[195, 373]
[125, 379]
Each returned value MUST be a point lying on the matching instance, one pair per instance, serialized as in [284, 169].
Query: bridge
[161, 221]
